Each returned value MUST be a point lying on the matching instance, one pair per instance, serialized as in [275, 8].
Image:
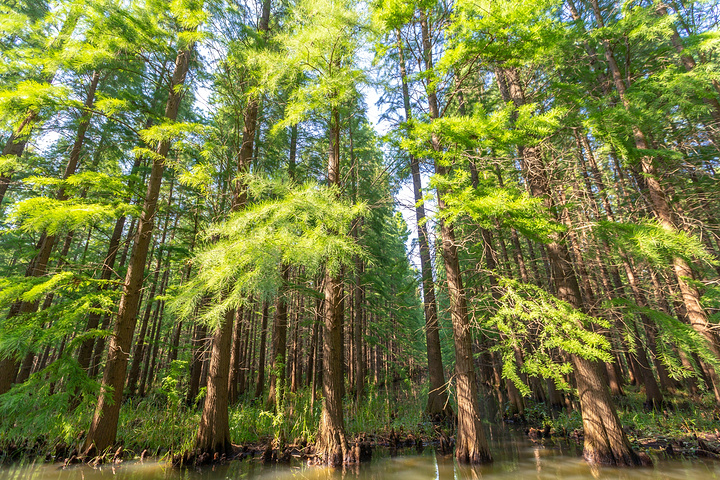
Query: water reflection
[516, 458]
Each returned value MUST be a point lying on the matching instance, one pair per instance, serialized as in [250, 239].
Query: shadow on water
[516, 458]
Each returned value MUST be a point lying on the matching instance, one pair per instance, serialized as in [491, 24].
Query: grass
[162, 424]
[679, 418]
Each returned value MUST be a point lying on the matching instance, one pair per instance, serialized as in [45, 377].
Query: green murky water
[516, 458]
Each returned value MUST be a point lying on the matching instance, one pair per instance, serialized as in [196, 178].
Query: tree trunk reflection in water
[516, 457]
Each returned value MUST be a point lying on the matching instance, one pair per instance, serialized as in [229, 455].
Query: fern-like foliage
[305, 226]
[540, 325]
[76, 297]
[672, 332]
[657, 245]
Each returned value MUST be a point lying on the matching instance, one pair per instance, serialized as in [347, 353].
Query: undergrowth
[680, 417]
[162, 424]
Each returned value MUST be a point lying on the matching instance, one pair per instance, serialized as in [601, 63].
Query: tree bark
[279, 345]
[103, 428]
[235, 357]
[605, 441]
[214, 430]
[211, 435]
[331, 447]
[437, 406]
[260, 385]
[471, 445]
[199, 341]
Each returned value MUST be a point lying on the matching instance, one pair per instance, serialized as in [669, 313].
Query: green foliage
[170, 131]
[534, 322]
[458, 135]
[305, 227]
[26, 96]
[38, 409]
[321, 44]
[672, 331]
[77, 296]
[508, 207]
[504, 31]
[653, 243]
[43, 214]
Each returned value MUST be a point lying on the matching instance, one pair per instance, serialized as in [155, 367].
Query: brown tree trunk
[605, 442]
[248, 348]
[471, 445]
[359, 360]
[309, 379]
[103, 428]
[358, 290]
[214, 431]
[150, 347]
[331, 447]
[260, 385]
[137, 353]
[235, 357]
[151, 372]
[295, 367]
[142, 347]
[438, 406]
[279, 345]
[199, 342]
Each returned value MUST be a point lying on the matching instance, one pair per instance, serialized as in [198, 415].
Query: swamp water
[516, 458]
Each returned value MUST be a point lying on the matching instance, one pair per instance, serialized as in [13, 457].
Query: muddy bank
[696, 445]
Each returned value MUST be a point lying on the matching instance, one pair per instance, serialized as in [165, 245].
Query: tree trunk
[437, 406]
[359, 360]
[260, 385]
[214, 431]
[605, 441]
[471, 445]
[210, 434]
[141, 346]
[309, 379]
[149, 348]
[235, 361]
[199, 342]
[103, 428]
[279, 345]
[331, 446]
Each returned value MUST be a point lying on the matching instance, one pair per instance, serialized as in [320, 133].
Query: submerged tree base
[609, 459]
[473, 458]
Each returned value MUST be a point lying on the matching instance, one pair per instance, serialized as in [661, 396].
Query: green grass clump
[162, 423]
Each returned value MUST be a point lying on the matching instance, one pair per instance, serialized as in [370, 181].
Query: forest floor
[154, 426]
[681, 428]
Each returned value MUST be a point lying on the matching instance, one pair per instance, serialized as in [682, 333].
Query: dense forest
[202, 243]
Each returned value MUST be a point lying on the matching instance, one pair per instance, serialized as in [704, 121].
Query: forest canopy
[240, 212]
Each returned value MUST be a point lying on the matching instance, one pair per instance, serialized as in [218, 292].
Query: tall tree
[103, 428]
